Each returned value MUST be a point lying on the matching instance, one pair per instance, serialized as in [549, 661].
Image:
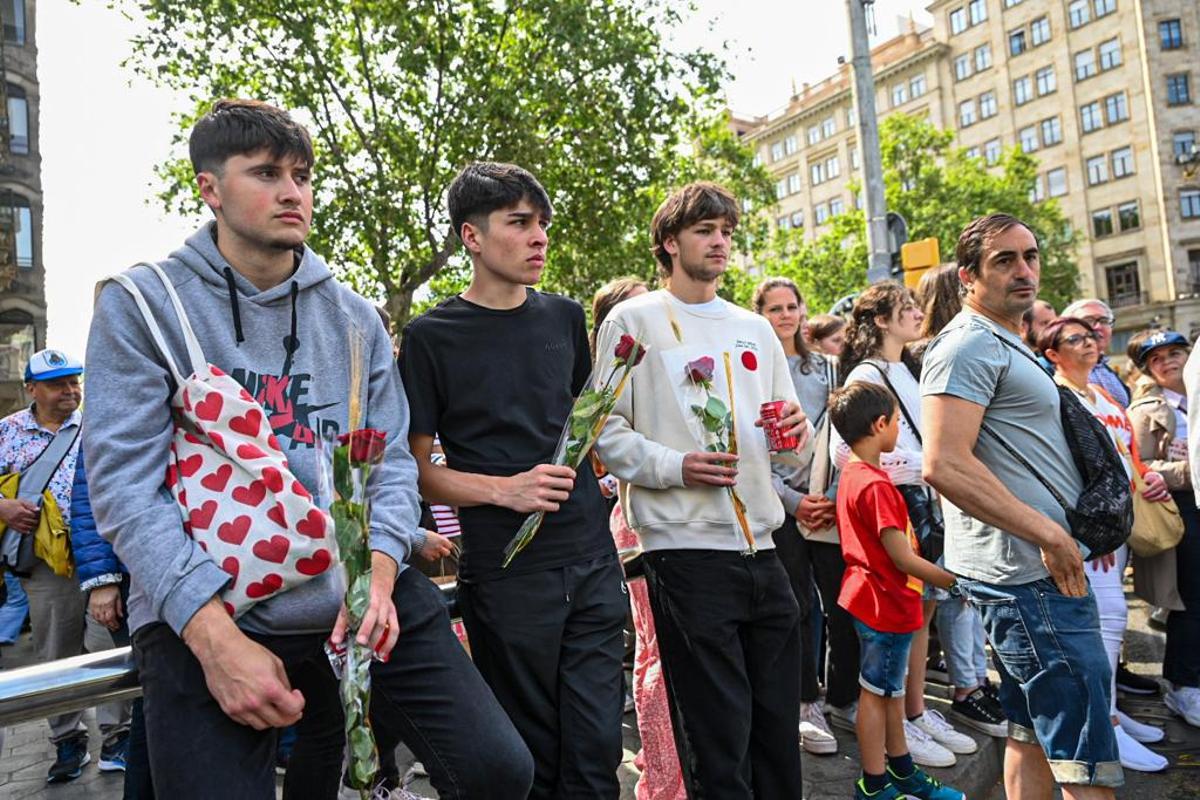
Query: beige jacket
[1155, 579]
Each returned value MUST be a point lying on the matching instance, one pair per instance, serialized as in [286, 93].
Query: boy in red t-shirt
[882, 591]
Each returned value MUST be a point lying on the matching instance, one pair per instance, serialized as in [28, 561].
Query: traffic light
[918, 257]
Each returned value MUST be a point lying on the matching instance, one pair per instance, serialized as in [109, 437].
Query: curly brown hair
[864, 338]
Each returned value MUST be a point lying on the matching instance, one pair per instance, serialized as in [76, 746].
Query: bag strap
[195, 354]
[907, 417]
[37, 476]
[1062, 501]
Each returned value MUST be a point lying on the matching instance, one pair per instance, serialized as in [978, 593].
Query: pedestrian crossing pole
[880, 266]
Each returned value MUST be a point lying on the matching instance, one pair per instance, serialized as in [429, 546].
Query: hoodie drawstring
[291, 342]
[233, 305]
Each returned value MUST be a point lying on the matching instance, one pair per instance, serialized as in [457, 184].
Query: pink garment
[661, 778]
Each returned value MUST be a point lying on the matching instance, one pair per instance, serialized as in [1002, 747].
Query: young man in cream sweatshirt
[727, 622]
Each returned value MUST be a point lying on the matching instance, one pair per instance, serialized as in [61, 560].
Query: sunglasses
[1078, 338]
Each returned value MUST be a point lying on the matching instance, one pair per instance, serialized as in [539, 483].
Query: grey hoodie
[290, 347]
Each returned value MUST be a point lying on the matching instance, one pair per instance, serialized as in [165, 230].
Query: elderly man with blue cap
[40, 443]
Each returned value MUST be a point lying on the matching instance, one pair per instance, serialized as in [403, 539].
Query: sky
[104, 129]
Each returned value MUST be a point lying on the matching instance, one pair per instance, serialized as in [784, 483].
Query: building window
[1184, 143]
[828, 127]
[1097, 170]
[780, 189]
[1016, 42]
[1090, 118]
[978, 9]
[797, 219]
[958, 21]
[836, 207]
[1123, 289]
[1102, 223]
[1056, 182]
[966, 113]
[962, 67]
[776, 151]
[1011, 3]
[782, 223]
[17, 343]
[1079, 13]
[1170, 34]
[814, 135]
[1028, 138]
[1051, 131]
[12, 14]
[983, 57]
[991, 151]
[1045, 81]
[1022, 93]
[1085, 65]
[916, 87]
[1194, 270]
[832, 168]
[1104, 7]
[18, 120]
[899, 94]
[851, 117]
[817, 174]
[1110, 54]
[1116, 107]
[1189, 204]
[789, 145]
[973, 152]
[854, 163]
[821, 214]
[1122, 162]
[794, 183]
[757, 160]
[987, 105]
[1128, 217]
[1038, 193]
[22, 231]
[1178, 90]
[1039, 31]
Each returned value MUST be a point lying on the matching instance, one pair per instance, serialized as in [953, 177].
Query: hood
[1145, 388]
[200, 254]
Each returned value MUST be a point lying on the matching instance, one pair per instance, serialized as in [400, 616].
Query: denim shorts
[1055, 681]
[883, 660]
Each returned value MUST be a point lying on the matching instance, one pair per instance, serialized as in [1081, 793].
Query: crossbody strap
[195, 354]
[907, 417]
[37, 476]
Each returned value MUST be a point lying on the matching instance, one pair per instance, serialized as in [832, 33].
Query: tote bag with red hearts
[239, 500]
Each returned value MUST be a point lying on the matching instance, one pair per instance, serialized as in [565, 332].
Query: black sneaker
[980, 712]
[936, 672]
[113, 754]
[72, 756]
[1132, 683]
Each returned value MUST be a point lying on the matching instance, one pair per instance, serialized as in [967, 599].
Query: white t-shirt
[903, 465]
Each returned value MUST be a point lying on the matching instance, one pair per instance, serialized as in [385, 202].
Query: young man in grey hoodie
[267, 311]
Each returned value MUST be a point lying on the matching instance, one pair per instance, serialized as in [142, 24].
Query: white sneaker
[815, 736]
[843, 717]
[1137, 756]
[942, 732]
[1140, 731]
[924, 750]
[1185, 702]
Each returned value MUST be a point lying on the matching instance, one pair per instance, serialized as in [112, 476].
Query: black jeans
[793, 552]
[1181, 661]
[447, 715]
[729, 635]
[549, 643]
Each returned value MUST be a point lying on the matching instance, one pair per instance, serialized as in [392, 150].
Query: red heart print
[192, 438]
[172, 476]
[201, 517]
[274, 443]
[299, 490]
[187, 528]
[277, 516]
[235, 531]
[312, 526]
[187, 401]
[270, 583]
[189, 465]
[232, 566]
[209, 409]
[217, 440]
[316, 565]
[249, 451]
[182, 497]
[273, 479]
[228, 608]
[215, 481]
[247, 424]
[245, 396]
[204, 546]
[251, 495]
[274, 549]
[216, 371]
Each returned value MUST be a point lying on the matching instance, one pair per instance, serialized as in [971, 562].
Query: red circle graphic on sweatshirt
[749, 361]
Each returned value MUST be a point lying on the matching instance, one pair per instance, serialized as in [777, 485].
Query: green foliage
[938, 189]
[399, 95]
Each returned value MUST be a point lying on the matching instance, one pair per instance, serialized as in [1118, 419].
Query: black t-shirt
[496, 386]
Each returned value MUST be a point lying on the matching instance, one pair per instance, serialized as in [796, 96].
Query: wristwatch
[954, 590]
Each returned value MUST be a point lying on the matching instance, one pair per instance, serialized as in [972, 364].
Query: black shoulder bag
[1102, 517]
[924, 511]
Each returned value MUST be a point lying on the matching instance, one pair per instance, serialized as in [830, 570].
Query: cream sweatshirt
[653, 426]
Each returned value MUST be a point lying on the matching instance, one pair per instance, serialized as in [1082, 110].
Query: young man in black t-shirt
[493, 372]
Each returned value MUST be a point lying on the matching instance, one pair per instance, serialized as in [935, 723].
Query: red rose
[700, 370]
[366, 445]
[629, 350]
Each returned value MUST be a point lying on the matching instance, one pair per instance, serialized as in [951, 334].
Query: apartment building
[1101, 92]
[22, 277]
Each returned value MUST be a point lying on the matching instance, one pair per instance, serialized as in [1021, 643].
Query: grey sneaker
[815, 736]
[843, 717]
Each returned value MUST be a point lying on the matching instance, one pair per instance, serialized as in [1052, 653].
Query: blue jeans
[1054, 676]
[884, 660]
[14, 612]
[960, 630]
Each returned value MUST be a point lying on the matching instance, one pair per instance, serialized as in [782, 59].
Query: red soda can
[771, 413]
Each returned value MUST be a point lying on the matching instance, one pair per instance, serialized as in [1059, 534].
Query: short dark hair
[486, 186]
[1051, 336]
[969, 252]
[239, 127]
[687, 206]
[854, 408]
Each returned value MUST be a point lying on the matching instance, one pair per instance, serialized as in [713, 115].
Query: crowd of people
[927, 507]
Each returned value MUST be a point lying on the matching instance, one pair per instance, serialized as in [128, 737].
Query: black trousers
[728, 632]
[1181, 661]
[549, 643]
[447, 715]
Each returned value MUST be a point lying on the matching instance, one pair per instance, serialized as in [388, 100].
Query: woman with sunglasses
[1073, 347]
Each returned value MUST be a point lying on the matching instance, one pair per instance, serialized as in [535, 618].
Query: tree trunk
[399, 305]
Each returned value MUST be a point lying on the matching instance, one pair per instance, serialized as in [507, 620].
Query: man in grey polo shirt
[1006, 537]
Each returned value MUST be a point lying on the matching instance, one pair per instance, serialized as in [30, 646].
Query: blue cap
[46, 365]
[1157, 340]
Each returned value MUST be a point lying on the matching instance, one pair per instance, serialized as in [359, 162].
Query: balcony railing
[1127, 299]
